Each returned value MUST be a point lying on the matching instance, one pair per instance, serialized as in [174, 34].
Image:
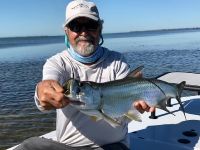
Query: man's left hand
[142, 106]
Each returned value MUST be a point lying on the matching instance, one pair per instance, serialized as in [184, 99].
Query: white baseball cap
[81, 8]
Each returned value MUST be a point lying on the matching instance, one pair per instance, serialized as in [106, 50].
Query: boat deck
[168, 131]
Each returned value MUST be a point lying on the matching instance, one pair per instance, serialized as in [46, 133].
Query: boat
[161, 130]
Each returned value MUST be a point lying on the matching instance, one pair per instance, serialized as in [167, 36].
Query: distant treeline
[29, 40]
[150, 32]
[35, 40]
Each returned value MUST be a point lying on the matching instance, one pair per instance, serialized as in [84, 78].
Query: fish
[113, 100]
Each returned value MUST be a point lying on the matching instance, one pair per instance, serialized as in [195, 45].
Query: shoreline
[9, 42]
[113, 33]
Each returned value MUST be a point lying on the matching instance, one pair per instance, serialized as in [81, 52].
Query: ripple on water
[19, 117]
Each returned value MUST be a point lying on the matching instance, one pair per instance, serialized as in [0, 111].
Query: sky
[46, 17]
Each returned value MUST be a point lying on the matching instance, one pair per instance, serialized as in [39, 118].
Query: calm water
[21, 68]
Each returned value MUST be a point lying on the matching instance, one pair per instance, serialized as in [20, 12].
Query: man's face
[83, 35]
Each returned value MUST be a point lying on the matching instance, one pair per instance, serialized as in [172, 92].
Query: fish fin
[97, 115]
[114, 123]
[180, 87]
[95, 118]
[94, 115]
[136, 72]
[162, 105]
[181, 105]
[133, 115]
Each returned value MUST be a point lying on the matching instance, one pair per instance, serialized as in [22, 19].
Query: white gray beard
[85, 51]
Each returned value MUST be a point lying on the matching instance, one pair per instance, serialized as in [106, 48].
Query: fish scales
[118, 97]
[113, 100]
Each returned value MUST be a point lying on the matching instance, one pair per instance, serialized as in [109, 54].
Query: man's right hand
[51, 95]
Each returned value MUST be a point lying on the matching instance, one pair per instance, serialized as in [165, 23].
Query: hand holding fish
[142, 106]
[50, 94]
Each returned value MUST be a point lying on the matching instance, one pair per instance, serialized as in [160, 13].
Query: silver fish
[112, 101]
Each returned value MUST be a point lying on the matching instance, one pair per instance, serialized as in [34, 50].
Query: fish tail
[162, 105]
[180, 87]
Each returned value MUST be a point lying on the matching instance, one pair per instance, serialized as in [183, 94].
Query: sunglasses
[77, 26]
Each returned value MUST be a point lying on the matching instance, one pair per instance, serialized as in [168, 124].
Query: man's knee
[29, 144]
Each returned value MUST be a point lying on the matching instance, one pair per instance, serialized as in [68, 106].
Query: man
[86, 60]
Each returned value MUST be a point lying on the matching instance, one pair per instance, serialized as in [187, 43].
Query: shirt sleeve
[53, 69]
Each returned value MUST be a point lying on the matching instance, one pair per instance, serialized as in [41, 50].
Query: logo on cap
[80, 5]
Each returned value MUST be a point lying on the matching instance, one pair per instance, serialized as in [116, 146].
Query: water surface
[21, 70]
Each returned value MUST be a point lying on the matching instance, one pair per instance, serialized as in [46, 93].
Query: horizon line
[136, 31]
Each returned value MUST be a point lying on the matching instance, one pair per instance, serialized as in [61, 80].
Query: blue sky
[45, 17]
